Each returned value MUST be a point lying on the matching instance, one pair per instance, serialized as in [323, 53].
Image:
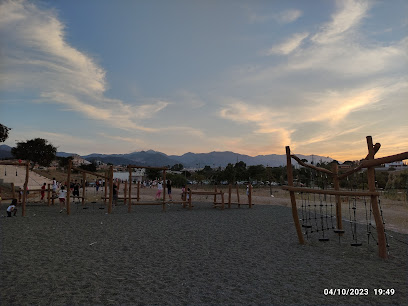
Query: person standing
[159, 190]
[75, 192]
[62, 196]
[43, 191]
[168, 185]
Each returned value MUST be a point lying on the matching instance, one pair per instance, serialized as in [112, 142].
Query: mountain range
[189, 160]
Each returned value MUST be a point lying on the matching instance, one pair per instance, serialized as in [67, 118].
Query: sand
[201, 256]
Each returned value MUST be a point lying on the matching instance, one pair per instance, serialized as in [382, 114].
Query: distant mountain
[5, 152]
[216, 159]
[196, 160]
[189, 160]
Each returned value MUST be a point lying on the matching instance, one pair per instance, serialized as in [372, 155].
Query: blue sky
[200, 76]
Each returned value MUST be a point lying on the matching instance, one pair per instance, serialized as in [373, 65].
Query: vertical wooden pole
[215, 196]
[292, 197]
[23, 210]
[125, 193]
[238, 196]
[250, 196]
[110, 190]
[138, 191]
[68, 187]
[83, 187]
[382, 247]
[336, 183]
[222, 200]
[229, 195]
[189, 199]
[49, 194]
[106, 186]
[130, 190]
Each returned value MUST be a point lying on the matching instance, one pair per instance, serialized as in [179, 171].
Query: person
[62, 196]
[183, 190]
[54, 185]
[159, 190]
[12, 208]
[97, 185]
[115, 194]
[75, 192]
[43, 191]
[169, 189]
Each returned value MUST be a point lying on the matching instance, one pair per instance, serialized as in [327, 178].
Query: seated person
[12, 208]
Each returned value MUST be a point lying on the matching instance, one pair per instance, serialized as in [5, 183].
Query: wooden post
[189, 198]
[292, 197]
[215, 196]
[336, 184]
[250, 196]
[106, 187]
[125, 193]
[222, 200]
[83, 187]
[238, 197]
[138, 191]
[382, 247]
[229, 195]
[110, 190]
[23, 210]
[68, 187]
[130, 190]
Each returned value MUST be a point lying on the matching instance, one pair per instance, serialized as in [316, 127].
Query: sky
[198, 76]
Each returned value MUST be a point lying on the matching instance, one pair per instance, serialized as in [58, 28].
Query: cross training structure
[318, 214]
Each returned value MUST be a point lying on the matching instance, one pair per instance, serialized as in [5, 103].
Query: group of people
[160, 189]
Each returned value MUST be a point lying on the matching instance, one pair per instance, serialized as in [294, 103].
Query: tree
[90, 167]
[37, 151]
[177, 167]
[64, 161]
[3, 132]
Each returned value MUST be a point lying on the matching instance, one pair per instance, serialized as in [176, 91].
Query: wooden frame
[238, 198]
[368, 162]
[108, 178]
[130, 203]
[27, 166]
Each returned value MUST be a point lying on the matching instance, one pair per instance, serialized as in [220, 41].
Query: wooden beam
[382, 248]
[311, 166]
[292, 197]
[23, 211]
[336, 183]
[332, 192]
[110, 190]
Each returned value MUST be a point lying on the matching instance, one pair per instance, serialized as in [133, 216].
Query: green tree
[152, 174]
[177, 180]
[37, 151]
[3, 132]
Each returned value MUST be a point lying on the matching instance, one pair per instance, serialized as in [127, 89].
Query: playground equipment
[108, 178]
[318, 217]
[26, 165]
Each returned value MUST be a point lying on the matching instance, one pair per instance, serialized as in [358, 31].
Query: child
[43, 191]
[12, 208]
[159, 190]
[62, 195]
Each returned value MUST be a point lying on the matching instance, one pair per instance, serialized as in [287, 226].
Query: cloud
[350, 14]
[37, 57]
[288, 16]
[283, 17]
[289, 45]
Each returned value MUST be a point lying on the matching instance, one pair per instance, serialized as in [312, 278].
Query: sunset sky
[199, 76]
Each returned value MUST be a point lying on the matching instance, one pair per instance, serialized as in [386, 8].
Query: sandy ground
[203, 256]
